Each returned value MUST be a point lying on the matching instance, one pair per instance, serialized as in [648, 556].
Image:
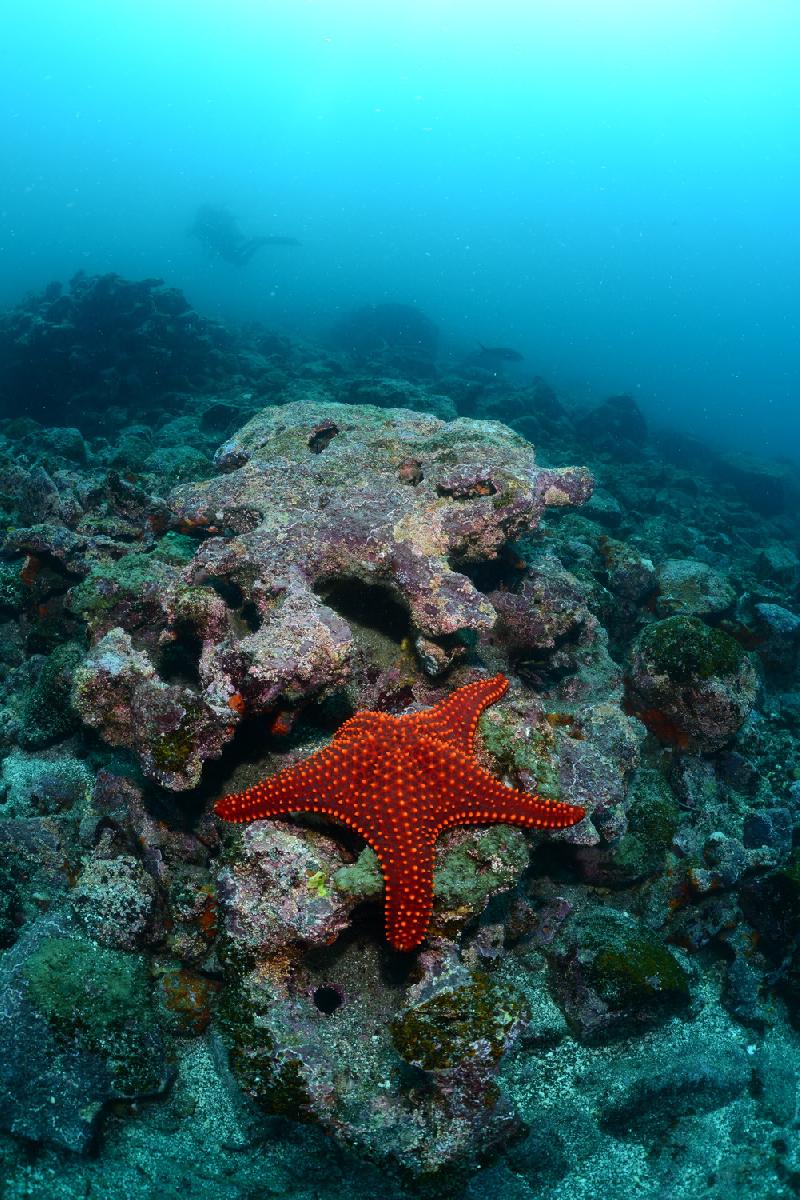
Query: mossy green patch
[47, 710]
[684, 648]
[101, 998]
[638, 974]
[125, 580]
[474, 870]
[361, 878]
[453, 1025]
[175, 548]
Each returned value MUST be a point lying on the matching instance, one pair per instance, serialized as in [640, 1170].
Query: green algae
[125, 580]
[684, 648]
[47, 711]
[473, 871]
[536, 754]
[101, 998]
[456, 1024]
[639, 973]
[361, 878]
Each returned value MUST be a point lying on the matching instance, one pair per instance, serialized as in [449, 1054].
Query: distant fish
[497, 354]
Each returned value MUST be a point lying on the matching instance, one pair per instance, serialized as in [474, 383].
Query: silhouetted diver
[498, 354]
[219, 232]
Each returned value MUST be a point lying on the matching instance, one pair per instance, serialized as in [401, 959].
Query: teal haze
[612, 189]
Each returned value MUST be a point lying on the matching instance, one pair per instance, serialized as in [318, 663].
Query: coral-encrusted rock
[278, 891]
[324, 489]
[692, 589]
[407, 1078]
[172, 728]
[116, 901]
[691, 685]
[312, 497]
[76, 1031]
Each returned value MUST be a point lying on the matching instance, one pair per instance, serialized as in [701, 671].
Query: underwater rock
[76, 1031]
[173, 728]
[419, 1094]
[765, 486]
[616, 426]
[304, 507]
[277, 894]
[692, 686]
[116, 902]
[777, 636]
[612, 975]
[652, 817]
[629, 575]
[692, 589]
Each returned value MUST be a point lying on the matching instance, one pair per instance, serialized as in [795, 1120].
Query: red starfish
[399, 781]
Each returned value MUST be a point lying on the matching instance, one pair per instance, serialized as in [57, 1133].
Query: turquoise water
[354, 356]
[612, 188]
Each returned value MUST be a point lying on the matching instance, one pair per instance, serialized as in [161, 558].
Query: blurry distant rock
[692, 588]
[616, 426]
[105, 341]
[395, 334]
[777, 637]
[765, 486]
[778, 563]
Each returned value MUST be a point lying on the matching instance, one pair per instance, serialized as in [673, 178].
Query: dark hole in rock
[328, 998]
[467, 491]
[322, 436]
[556, 860]
[507, 570]
[251, 616]
[233, 596]
[368, 605]
[231, 593]
[179, 660]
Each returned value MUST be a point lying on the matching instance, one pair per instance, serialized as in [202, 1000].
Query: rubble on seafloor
[198, 585]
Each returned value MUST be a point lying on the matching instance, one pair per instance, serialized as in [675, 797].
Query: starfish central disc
[398, 782]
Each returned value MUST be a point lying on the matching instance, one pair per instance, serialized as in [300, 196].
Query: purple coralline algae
[306, 501]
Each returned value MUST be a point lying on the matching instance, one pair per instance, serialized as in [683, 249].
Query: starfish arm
[326, 782]
[468, 795]
[407, 869]
[454, 720]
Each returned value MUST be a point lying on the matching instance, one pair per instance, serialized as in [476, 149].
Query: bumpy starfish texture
[399, 781]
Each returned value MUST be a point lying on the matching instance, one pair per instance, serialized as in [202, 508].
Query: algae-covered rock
[691, 685]
[476, 1017]
[611, 974]
[692, 589]
[47, 713]
[76, 1030]
[652, 818]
